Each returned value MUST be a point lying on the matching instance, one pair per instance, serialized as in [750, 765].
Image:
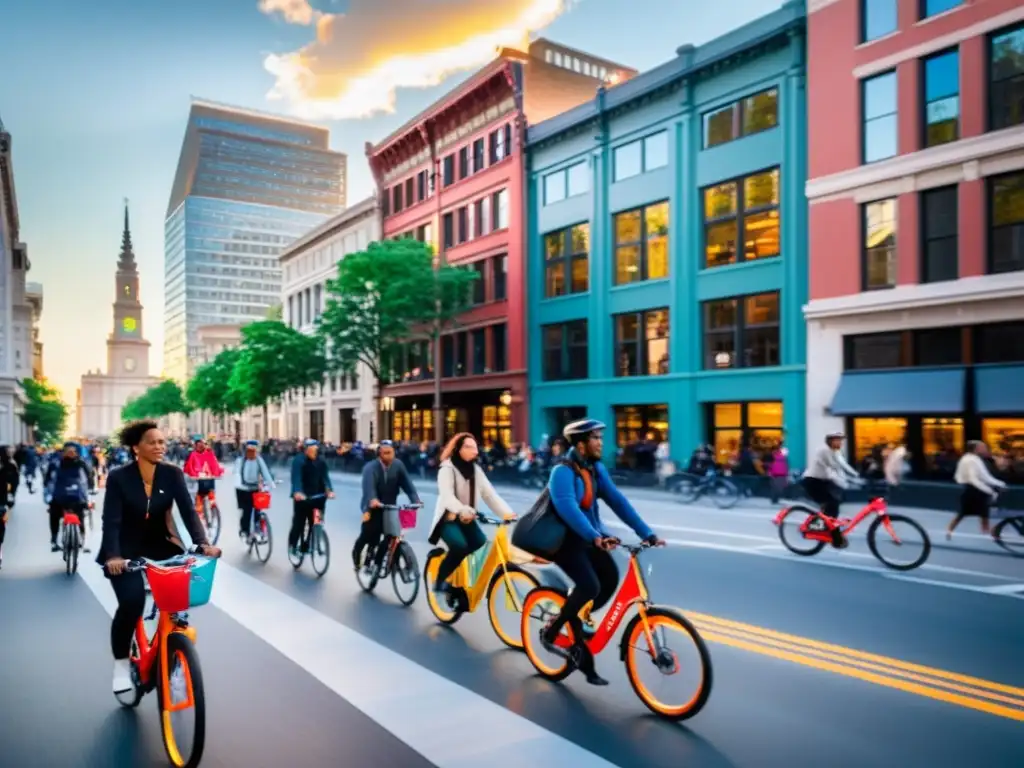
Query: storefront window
[942, 444]
[456, 420]
[759, 422]
[497, 425]
[869, 433]
[638, 431]
[414, 426]
[765, 423]
[1005, 438]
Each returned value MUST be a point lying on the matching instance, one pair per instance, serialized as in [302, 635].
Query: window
[731, 424]
[409, 199]
[397, 196]
[641, 343]
[479, 354]
[1006, 439]
[939, 211]
[942, 98]
[641, 244]
[385, 203]
[999, 343]
[480, 284]
[566, 255]
[448, 230]
[499, 345]
[554, 187]
[463, 225]
[635, 423]
[938, 346]
[656, 151]
[501, 143]
[478, 155]
[448, 171]
[742, 332]
[482, 208]
[751, 219]
[579, 179]
[870, 433]
[879, 247]
[942, 444]
[1006, 79]
[628, 161]
[935, 7]
[500, 209]
[497, 425]
[752, 114]
[500, 277]
[569, 182]
[421, 185]
[873, 351]
[463, 162]
[879, 108]
[877, 19]
[565, 351]
[1006, 223]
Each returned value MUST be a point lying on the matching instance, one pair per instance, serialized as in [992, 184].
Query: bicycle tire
[873, 546]
[179, 643]
[731, 500]
[214, 528]
[454, 612]
[263, 550]
[367, 579]
[686, 490]
[498, 589]
[405, 552]
[630, 659]
[1017, 522]
[298, 557]
[815, 546]
[130, 699]
[76, 546]
[320, 545]
[530, 641]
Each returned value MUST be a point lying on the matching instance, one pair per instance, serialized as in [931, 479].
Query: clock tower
[127, 350]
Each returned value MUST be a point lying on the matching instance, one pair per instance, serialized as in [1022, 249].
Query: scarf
[465, 468]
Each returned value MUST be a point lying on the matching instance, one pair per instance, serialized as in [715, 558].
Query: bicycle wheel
[184, 679]
[445, 610]
[213, 523]
[508, 591]
[541, 606]
[904, 536]
[130, 699]
[664, 658]
[685, 490]
[298, 555]
[1009, 534]
[790, 522]
[319, 550]
[76, 547]
[263, 540]
[405, 574]
[724, 494]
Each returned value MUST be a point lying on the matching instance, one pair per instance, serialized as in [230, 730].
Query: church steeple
[126, 261]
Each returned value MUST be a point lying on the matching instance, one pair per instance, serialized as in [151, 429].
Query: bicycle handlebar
[417, 505]
[142, 563]
[633, 549]
[488, 520]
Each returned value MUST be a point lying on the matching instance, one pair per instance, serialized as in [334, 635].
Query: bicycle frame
[152, 658]
[846, 525]
[201, 499]
[497, 557]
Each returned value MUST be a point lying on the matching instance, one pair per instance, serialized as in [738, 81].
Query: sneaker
[122, 676]
[54, 547]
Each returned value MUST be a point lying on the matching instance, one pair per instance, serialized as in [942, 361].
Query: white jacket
[453, 494]
[971, 470]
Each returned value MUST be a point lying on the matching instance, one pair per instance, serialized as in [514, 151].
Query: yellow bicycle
[501, 581]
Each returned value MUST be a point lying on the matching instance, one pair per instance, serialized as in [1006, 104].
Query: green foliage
[158, 401]
[275, 358]
[209, 389]
[45, 412]
[384, 296]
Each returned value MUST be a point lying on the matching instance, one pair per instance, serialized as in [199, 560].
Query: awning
[999, 389]
[929, 392]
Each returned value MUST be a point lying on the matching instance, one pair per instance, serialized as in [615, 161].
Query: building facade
[916, 195]
[34, 297]
[247, 185]
[101, 396]
[452, 177]
[212, 340]
[667, 245]
[341, 410]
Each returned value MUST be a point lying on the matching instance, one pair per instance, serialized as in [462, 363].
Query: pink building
[916, 188]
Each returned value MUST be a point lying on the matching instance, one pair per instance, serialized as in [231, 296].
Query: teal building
[667, 239]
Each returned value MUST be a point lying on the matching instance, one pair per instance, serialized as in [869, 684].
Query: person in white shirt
[826, 478]
[250, 471]
[980, 488]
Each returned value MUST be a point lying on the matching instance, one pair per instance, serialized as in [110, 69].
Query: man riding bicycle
[310, 478]
[826, 478]
[68, 484]
[250, 471]
[202, 465]
[383, 479]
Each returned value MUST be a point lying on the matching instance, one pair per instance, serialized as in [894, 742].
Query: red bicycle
[809, 531]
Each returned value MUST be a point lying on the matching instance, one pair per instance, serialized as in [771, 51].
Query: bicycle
[494, 573]
[314, 541]
[399, 560]
[71, 539]
[1008, 533]
[545, 603]
[168, 661]
[818, 529]
[688, 488]
[210, 513]
[260, 534]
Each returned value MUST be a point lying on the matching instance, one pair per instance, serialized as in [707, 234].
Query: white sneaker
[122, 676]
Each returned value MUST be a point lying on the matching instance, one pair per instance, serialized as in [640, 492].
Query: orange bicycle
[168, 662]
[648, 626]
[209, 513]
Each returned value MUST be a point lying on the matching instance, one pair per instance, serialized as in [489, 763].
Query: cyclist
[203, 461]
[980, 488]
[137, 522]
[826, 478]
[576, 484]
[68, 483]
[310, 477]
[8, 485]
[383, 479]
[250, 469]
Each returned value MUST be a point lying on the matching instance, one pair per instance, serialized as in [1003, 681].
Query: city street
[826, 661]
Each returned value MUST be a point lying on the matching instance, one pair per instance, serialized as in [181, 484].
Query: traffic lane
[262, 709]
[611, 721]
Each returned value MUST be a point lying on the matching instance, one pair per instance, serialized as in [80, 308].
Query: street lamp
[506, 398]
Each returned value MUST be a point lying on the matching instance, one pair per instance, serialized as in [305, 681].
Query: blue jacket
[566, 489]
[69, 483]
[321, 476]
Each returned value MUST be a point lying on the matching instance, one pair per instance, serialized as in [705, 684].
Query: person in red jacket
[202, 465]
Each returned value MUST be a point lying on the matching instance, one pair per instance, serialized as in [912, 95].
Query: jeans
[370, 534]
[57, 510]
[244, 499]
[595, 576]
[302, 513]
[825, 494]
[463, 539]
[130, 589]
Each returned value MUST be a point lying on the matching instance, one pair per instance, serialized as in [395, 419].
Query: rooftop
[329, 227]
[254, 113]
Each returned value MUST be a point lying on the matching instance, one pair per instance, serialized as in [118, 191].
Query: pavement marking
[1006, 589]
[993, 698]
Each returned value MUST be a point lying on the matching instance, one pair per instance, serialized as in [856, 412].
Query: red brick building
[916, 193]
[453, 176]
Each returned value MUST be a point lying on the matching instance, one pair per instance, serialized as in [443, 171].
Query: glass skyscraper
[247, 185]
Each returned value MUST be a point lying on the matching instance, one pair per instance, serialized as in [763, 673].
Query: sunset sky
[96, 97]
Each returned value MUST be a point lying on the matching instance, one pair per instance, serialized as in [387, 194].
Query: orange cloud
[361, 58]
[293, 11]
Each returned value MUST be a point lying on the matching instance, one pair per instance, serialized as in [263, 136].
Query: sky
[96, 97]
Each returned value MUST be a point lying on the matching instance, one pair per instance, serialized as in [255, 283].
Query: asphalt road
[826, 661]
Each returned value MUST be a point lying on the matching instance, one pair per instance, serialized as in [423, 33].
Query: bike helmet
[580, 430]
[835, 436]
[252, 443]
[310, 443]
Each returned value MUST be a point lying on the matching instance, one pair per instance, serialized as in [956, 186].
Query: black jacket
[384, 486]
[131, 522]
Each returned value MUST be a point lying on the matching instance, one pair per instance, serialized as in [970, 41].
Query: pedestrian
[980, 488]
[778, 472]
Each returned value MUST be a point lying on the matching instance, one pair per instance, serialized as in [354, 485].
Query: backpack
[541, 532]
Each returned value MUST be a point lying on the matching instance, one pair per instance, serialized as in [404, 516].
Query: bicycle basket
[181, 587]
[261, 500]
[407, 518]
[70, 518]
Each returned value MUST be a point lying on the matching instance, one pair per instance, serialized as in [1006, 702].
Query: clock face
[128, 324]
[129, 364]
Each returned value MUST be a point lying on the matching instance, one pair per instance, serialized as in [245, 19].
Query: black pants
[3, 526]
[130, 590]
[302, 513]
[825, 494]
[974, 502]
[463, 539]
[244, 499]
[369, 536]
[595, 576]
[57, 510]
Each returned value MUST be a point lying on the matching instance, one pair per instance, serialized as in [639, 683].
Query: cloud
[361, 58]
[293, 11]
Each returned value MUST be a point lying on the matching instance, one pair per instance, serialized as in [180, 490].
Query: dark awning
[999, 389]
[929, 392]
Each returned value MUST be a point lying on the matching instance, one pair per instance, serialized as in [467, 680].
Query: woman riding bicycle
[825, 479]
[137, 522]
[460, 482]
[575, 486]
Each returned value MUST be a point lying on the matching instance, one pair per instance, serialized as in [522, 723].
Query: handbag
[540, 532]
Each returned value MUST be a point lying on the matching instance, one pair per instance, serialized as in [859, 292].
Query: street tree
[46, 414]
[274, 359]
[209, 389]
[382, 298]
[158, 401]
